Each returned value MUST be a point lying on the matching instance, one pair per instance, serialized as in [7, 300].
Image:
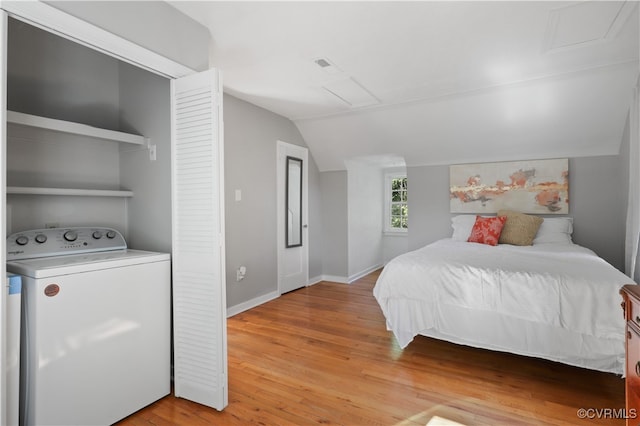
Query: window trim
[387, 229]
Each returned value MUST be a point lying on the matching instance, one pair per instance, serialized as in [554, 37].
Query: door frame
[280, 202]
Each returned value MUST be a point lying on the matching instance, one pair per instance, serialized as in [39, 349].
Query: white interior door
[199, 296]
[293, 230]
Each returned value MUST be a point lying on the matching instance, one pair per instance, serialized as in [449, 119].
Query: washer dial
[70, 236]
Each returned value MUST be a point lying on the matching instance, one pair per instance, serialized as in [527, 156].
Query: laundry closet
[92, 140]
[59, 178]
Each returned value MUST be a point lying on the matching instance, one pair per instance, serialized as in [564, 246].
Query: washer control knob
[22, 240]
[97, 235]
[70, 236]
[41, 238]
[111, 234]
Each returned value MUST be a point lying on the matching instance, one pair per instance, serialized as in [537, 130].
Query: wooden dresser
[631, 308]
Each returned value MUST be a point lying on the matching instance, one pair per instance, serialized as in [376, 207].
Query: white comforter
[560, 285]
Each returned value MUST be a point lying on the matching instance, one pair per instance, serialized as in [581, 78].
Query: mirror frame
[290, 185]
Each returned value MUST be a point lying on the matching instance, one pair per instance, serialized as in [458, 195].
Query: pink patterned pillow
[487, 230]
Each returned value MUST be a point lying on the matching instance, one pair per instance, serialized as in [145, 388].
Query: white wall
[365, 217]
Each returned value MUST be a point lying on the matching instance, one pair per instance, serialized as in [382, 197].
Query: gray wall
[365, 192]
[334, 224]
[54, 77]
[316, 235]
[598, 203]
[597, 194]
[145, 110]
[251, 134]
[428, 194]
[155, 25]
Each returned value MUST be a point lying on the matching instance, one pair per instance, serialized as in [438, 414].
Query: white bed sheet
[554, 301]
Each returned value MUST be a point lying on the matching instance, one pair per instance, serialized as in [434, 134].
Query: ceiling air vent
[327, 66]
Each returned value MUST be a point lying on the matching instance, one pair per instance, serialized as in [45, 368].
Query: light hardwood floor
[322, 355]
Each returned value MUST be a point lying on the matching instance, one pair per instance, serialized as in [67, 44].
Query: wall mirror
[293, 201]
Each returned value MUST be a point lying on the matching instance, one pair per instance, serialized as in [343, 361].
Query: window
[396, 208]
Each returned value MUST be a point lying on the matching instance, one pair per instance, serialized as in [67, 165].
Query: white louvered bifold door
[199, 297]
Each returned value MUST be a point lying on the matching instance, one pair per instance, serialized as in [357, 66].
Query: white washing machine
[95, 325]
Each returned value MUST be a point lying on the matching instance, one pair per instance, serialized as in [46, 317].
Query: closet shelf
[73, 128]
[26, 190]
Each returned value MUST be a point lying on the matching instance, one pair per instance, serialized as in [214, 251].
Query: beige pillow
[520, 229]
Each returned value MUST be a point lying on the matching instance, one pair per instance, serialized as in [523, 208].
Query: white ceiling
[433, 82]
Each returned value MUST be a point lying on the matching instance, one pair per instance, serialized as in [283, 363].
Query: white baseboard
[344, 280]
[361, 274]
[315, 280]
[334, 279]
[245, 306]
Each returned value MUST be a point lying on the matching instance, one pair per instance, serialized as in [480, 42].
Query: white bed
[557, 301]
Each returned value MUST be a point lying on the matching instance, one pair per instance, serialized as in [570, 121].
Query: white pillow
[556, 230]
[462, 226]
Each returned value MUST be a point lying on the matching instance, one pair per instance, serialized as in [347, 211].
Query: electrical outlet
[240, 273]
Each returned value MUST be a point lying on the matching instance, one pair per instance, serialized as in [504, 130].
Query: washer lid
[74, 264]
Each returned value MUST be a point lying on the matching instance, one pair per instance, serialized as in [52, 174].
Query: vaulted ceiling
[433, 82]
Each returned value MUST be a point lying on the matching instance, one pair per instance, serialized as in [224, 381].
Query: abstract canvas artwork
[536, 186]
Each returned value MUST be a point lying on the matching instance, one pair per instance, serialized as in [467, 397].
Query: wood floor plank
[322, 355]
